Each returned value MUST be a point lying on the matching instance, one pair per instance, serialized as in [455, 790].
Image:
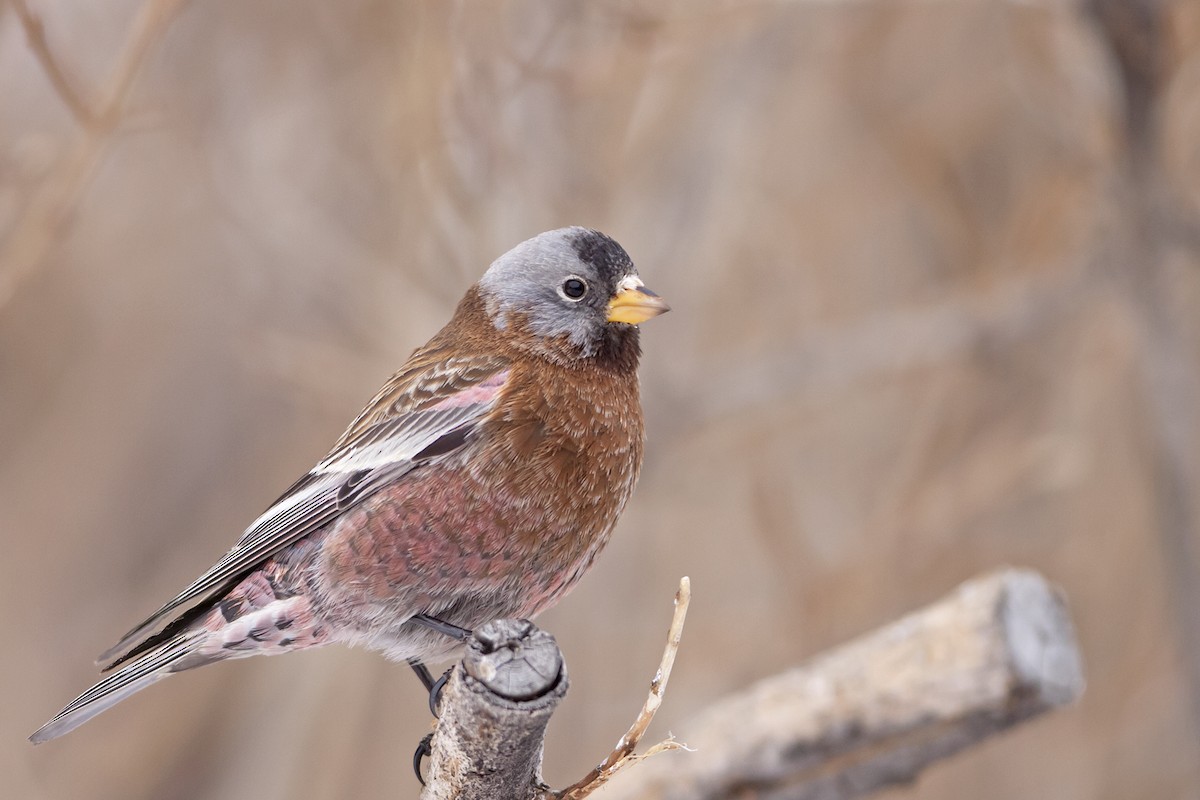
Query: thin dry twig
[45, 213]
[623, 754]
[35, 32]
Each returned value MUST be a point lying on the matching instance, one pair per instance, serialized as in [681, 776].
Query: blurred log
[494, 712]
[874, 712]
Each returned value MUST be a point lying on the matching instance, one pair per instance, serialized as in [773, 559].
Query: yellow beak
[634, 303]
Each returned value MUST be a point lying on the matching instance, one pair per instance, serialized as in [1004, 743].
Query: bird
[479, 483]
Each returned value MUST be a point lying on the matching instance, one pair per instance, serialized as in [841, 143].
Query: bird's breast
[570, 450]
[517, 515]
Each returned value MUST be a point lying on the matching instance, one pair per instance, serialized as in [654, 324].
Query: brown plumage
[480, 483]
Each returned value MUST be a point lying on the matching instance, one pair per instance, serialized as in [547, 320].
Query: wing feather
[424, 413]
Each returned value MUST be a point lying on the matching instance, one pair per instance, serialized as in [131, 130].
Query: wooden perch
[494, 712]
[874, 712]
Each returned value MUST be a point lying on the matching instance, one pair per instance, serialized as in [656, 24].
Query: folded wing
[422, 415]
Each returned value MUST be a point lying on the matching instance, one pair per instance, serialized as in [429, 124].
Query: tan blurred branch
[875, 712]
[35, 32]
[54, 201]
[1137, 34]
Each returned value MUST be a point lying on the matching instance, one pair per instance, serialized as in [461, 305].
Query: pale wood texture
[494, 712]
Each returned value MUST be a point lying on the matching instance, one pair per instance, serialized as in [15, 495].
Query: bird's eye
[573, 288]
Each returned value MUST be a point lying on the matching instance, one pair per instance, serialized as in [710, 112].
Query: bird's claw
[435, 692]
[433, 687]
[424, 748]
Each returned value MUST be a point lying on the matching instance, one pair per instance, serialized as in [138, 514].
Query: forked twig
[33, 234]
[35, 32]
[623, 754]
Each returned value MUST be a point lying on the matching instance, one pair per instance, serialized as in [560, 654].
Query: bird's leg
[423, 674]
[423, 747]
[433, 687]
[449, 629]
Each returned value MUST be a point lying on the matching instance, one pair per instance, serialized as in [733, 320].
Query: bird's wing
[424, 413]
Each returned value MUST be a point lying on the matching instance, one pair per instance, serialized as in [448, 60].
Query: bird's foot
[434, 688]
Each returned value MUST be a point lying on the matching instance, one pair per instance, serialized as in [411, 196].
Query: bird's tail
[152, 667]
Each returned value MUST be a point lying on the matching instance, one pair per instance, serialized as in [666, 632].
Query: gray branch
[494, 712]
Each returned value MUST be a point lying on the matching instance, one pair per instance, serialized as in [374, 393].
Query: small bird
[479, 483]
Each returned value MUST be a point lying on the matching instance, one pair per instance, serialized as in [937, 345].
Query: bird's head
[574, 294]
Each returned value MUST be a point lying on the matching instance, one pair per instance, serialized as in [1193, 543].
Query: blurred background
[935, 270]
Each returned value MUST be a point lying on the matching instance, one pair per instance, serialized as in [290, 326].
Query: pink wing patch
[482, 393]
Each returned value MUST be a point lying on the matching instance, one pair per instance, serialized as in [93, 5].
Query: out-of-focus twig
[623, 753]
[35, 32]
[51, 205]
[1137, 36]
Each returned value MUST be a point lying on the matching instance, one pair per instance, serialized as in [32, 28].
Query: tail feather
[255, 618]
[150, 668]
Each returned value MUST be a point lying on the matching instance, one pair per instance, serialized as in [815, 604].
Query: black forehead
[608, 258]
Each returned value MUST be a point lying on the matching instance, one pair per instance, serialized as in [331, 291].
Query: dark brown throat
[616, 353]
[620, 348]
